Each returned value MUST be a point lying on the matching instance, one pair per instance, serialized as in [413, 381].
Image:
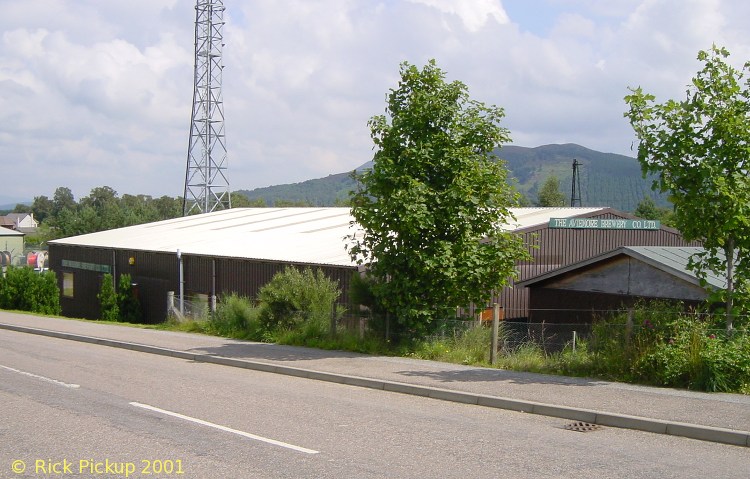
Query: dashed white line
[226, 429]
[43, 378]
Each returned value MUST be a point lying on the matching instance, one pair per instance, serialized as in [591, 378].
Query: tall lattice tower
[206, 184]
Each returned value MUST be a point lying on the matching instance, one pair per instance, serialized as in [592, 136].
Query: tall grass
[470, 346]
[236, 317]
[654, 344]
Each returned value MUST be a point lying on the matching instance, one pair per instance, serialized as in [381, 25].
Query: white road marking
[226, 429]
[36, 376]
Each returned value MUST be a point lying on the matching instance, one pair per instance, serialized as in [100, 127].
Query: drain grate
[580, 426]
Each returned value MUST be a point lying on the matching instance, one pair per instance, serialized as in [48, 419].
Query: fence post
[387, 327]
[495, 331]
[629, 326]
[182, 283]
[333, 319]
[170, 302]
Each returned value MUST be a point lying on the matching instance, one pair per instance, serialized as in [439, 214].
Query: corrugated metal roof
[528, 217]
[303, 235]
[10, 232]
[675, 259]
[672, 259]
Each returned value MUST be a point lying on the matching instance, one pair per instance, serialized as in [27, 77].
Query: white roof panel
[528, 217]
[10, 232]
[299, 235]
[303, 235]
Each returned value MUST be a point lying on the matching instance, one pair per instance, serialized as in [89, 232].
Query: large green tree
[550, 195]
[42, 208]
[700, 149]
[101, 210]
[434, 204]
[647, 209]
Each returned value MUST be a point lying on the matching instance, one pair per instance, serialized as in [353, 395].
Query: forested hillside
[607, 179]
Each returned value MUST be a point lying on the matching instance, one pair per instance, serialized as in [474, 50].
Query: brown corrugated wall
[157, 273]
[557, 247]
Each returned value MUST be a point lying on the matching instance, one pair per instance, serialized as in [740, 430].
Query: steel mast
[575, 194]
[206, 184]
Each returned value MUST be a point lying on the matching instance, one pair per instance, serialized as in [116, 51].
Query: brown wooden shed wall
[560, 306]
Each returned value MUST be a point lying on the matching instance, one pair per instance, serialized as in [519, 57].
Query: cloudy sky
[99, 92]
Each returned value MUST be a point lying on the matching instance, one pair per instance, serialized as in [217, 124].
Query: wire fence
[551, 336]
[192, 308]
[514, 333]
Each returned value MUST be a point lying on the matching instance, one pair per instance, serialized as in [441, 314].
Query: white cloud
[474, 14]
[98, 93]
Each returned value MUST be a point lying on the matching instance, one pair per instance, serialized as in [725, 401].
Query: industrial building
[564, 236]
[239, 250]
[227, 251]
[580, 292]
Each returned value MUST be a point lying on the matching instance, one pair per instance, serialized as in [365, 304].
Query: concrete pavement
[723, 418]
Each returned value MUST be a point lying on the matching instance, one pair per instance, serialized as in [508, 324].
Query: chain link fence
[189, 308]
[550, 337]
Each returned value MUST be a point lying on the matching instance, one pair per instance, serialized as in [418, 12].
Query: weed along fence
[549, 337]
[621, 325]
[510, 333]
[656, 343]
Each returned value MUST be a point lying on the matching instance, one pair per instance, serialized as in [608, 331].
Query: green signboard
[101, 268]
[604, 224]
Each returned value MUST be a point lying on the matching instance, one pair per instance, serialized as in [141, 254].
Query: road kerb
[693, 431]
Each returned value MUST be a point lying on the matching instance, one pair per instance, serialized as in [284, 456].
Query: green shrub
[128, 303]
[121, 304]
[617, 347]
[24, 289]
[699, 357]
[110, 311]
[236, 317]
[294, 297]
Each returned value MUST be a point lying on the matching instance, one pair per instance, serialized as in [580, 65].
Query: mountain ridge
[606, 179]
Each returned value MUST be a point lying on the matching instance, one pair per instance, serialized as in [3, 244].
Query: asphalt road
[91, 411]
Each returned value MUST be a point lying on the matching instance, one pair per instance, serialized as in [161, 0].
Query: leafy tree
[434, 203]
[102, 209]
[647, 209]
[99, 197]
[342, 202]
[699, 149]
[240, 200]
[523, 201]
[291, 203]
[22, 208]
[63, 199]
[168, 207]
[550, 194]
[42, 208]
